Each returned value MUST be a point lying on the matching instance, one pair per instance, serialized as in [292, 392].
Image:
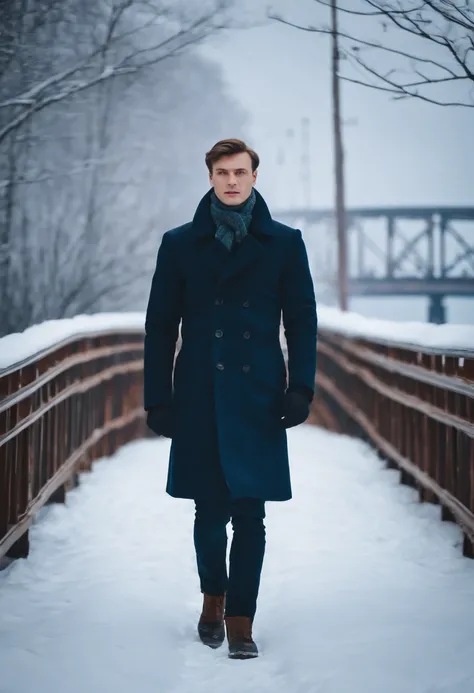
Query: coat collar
[261, 224]
[221, 263]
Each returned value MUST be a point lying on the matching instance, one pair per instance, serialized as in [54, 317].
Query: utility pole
[339, 165]
[306, 162]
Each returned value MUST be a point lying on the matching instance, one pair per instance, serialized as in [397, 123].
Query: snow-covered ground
[363, 589]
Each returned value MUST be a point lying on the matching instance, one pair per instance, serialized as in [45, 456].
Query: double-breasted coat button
[246, 368]
[219, 334]
[247, 335]
[246, 304]
[220, 366]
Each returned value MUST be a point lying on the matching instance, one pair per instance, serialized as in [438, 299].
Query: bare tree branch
[448, 25]
[37, 98]
[360, 13]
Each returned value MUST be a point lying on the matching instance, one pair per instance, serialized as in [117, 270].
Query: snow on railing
[421, 336]
[71, 391]
[51, 334]
[413, 335]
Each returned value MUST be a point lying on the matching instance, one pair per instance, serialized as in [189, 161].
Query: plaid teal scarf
[232, 221]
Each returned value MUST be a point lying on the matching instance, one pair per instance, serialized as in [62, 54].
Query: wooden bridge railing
[59, 411]
[415, 406]
[82, 399]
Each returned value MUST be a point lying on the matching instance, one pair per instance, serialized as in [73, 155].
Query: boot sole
[213, 645]
[242, 654]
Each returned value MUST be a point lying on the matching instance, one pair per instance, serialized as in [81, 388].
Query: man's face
[232, 178]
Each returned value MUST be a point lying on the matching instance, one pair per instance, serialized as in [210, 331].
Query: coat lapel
[227, 265]
[249, 252]
[214, 256]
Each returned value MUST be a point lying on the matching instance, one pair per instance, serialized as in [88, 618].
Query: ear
[254, 176]
[211, 181]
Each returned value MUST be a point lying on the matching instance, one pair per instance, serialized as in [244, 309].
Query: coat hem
[266, 499]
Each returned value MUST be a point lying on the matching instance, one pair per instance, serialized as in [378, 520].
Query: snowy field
[363, 589]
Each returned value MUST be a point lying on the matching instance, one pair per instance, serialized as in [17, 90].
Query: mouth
[232, 193]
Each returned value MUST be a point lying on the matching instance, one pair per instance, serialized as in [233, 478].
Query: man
[228, 277]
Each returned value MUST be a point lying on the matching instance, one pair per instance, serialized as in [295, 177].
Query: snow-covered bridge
[363, 587]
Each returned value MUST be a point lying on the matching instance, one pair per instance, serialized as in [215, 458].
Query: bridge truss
[396, 251]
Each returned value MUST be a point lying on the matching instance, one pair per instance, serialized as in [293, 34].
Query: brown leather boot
[239, 635]
[211, 623]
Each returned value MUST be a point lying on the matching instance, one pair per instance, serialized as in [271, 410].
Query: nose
[232, 179]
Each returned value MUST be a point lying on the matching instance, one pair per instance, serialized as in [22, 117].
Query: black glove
[296, 407]
[160, 420]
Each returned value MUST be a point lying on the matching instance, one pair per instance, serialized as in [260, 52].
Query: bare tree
[100, 132]
[129, 35]
[438, 64]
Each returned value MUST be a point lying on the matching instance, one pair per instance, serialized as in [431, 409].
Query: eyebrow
[219, 168]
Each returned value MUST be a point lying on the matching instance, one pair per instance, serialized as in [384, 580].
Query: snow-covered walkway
[363, 589]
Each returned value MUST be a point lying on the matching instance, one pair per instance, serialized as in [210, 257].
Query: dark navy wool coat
[229, 377]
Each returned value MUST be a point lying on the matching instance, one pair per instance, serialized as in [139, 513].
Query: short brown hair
[227, 148]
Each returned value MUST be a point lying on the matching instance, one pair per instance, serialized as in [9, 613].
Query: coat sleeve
[299, 317]
[163, 316]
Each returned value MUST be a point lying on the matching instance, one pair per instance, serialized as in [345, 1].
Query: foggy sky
[397, 153]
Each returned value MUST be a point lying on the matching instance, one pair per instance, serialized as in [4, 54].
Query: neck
[235, 208]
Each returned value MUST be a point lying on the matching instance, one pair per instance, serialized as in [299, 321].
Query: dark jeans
[246, 554]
